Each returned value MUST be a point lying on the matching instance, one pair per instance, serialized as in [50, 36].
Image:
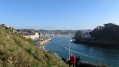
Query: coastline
[43, 42]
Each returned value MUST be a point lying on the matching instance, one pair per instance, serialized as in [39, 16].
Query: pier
[42, 41]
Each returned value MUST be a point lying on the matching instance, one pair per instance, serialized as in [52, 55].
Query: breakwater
[43, 42]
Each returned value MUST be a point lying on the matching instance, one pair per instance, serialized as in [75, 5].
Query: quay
[42, 41]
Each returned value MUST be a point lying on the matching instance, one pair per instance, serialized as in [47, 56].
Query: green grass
[30, 41]
[17, 51]
[16, 41]
[29, 50]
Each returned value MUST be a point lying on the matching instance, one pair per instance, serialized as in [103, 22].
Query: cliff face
[17, 51]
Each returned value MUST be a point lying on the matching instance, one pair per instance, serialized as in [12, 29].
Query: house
[29, 33]
[32, 36]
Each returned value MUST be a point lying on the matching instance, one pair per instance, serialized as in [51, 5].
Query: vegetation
[17, 51]
[107, 32]
[78, 35]
[104, 36]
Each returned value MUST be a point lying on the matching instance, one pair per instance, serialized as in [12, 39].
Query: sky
[58, 14]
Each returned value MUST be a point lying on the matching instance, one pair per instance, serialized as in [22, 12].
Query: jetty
[42, 41]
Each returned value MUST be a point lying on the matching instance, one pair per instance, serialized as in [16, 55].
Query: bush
[49, 64]
[29, 50]
[31, 41]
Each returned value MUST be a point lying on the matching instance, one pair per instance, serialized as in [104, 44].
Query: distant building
[29, 33]
[8, 27]
[32, 36]
[37, 42]
[3, 25]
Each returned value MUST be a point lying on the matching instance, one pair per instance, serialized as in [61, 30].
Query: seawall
[42, 43]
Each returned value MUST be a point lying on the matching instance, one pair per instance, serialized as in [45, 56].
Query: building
[32, 36]
[29, 33]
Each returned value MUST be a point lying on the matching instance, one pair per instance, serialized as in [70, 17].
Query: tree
[107, 32]
[78, 35]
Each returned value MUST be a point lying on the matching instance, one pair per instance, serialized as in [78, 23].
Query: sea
[90, 54]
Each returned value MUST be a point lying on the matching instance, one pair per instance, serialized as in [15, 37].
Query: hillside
[103, 36]
[17, 51]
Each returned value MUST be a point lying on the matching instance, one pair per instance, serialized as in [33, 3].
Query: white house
[33, 36]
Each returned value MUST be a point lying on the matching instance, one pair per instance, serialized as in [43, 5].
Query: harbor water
[89, 54]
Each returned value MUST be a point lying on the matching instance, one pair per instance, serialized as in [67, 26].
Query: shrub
[29, 50]
[31, 41]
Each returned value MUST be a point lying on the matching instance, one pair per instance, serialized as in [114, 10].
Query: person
[78, 61]
[72, 60]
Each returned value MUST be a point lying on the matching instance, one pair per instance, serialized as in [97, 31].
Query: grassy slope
[16, 51]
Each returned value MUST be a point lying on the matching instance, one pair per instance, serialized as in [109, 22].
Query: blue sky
[58, 14]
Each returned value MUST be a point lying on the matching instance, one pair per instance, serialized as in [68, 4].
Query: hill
[108, 32]
[17, 51]
[104, 36]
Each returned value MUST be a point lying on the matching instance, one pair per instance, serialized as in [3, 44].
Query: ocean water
[89, 54]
